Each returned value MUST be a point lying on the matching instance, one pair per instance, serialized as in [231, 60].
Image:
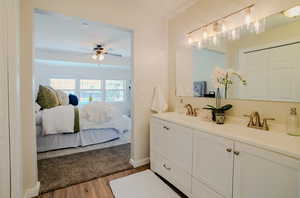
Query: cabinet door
[159, 137]
[262, 174]
[213, 162]
[181, 147]
[199, 190]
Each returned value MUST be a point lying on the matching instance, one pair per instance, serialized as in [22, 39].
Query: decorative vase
[220, 117]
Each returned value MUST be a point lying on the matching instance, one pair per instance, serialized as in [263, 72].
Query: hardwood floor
[98, 188]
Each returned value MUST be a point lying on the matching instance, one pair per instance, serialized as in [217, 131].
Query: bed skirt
[82, 138]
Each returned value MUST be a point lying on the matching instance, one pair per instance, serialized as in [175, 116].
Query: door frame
[12, 47]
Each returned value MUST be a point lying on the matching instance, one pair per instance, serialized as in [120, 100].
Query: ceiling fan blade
[114, 54]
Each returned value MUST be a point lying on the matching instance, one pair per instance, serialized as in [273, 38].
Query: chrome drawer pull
[165, 166]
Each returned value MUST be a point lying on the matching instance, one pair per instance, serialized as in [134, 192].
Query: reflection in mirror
[260, 66]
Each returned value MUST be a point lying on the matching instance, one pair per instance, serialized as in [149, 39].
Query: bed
[90, 133]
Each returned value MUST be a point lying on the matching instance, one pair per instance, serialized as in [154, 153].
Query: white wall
[149, 25]
[45, 71]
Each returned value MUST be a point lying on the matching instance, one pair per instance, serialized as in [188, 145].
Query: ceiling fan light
[101, 57]
[94, 57]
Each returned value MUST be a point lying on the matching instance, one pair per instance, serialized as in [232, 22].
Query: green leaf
[211, 106]
[226, 107]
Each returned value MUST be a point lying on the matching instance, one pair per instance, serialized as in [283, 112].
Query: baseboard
[33, 192]
[140, 162]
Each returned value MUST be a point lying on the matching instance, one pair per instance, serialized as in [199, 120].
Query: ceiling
[59, 37]
[61, 33]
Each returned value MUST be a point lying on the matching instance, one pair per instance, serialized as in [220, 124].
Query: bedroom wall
[149, 25]
[203, 12]
[44, 72]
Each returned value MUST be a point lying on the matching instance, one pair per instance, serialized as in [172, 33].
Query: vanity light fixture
[292, 12]
[212, 30]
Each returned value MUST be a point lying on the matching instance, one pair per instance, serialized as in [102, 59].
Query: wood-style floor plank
[98, 188]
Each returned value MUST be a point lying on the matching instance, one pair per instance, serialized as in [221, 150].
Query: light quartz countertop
[275, 140]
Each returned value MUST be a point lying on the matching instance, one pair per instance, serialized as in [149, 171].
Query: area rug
[141, 185]
[59, 172]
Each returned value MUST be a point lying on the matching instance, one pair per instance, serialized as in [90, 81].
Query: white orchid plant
[224, 78]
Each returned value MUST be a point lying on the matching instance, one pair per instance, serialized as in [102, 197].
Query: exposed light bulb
[256, 27]
[233, 34]
[248, 17]
[190, 40]
[94, 57]
[205, 35]
[101, 57]
[224, 28]
[214, 40]
[200, 44]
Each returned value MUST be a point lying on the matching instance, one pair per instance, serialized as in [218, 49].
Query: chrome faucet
[255, 121]
[191, 111]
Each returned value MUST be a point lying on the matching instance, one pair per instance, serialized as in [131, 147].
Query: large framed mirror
[256, 65]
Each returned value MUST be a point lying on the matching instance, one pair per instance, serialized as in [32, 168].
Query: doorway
[83, 98]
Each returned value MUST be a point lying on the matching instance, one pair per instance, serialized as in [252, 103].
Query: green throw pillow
[47, 97]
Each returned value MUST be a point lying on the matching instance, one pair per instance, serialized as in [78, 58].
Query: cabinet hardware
[166, 167]
[229, 150]
[236, 152]
[167, 128]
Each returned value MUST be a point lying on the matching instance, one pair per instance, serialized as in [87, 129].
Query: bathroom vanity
[205, 160]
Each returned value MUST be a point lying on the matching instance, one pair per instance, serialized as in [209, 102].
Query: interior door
[4, 124]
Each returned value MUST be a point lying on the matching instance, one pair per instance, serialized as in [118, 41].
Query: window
[90, 90]
[114, 90]
[66, 85]
[90, 84]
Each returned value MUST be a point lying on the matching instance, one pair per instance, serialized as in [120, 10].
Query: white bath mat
[141, 185]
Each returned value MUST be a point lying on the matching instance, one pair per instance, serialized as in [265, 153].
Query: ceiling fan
[100, 52]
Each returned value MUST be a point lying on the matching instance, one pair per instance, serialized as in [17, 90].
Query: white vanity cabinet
[204, 165]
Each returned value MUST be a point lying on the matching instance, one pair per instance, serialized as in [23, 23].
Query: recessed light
[292, 12]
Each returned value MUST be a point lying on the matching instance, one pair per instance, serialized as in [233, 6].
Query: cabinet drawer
[173, 142]
[199, 190]
[171, 172]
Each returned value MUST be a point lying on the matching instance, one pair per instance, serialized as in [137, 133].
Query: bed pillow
[62, 97]
[47, 97]
[73, 100]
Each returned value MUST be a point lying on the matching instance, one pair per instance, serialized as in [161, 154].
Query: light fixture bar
[220, 19]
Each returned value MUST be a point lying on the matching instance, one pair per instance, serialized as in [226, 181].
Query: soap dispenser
[293, 123]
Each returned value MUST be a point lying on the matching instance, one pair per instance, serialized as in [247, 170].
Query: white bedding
[59, 119]
[121, 124]
[96, 115]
